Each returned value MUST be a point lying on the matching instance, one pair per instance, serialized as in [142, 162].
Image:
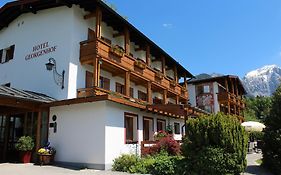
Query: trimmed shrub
[167, 144]
[272, 136]
[125, 162]
[158, 164]
[210, 140]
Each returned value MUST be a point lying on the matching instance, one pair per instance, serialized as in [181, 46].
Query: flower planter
[117, 51]
[46, 159]
[140, 64]
[25, 156]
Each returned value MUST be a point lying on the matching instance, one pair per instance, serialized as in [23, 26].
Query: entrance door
[3, 119]
[11, 129]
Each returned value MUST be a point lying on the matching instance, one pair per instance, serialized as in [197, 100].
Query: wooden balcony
[113, 56]
[233, 99]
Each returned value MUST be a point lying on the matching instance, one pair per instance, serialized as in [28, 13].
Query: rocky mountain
[263, 81]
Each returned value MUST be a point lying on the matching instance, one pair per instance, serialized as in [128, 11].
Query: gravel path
[253, 168]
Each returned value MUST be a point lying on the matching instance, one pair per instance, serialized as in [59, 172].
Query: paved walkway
[30, 169]
[253, 168]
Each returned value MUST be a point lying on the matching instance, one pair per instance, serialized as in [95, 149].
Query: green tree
[258, 108]
[215, 144]
[272, 136]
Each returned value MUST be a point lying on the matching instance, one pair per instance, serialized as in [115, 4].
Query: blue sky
[222, 36]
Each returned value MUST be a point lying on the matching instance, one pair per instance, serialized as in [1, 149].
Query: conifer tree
[272, 137]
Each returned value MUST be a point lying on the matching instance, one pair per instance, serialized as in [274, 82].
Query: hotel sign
[40, 50]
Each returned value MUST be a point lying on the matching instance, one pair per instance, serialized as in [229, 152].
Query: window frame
[152, 122]
[104, 83]
[121, 86]
[175, 128]
[135, 117]
[162, 121]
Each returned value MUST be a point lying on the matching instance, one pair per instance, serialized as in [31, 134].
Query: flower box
[159, 75]
[117, 51]
[173, 83]
[46, 159]
[140, 64]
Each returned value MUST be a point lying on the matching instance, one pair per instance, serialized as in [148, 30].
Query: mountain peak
[263, 81]
[267, 69]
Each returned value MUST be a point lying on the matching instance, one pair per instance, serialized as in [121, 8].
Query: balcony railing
[228, 97]
[114, 55]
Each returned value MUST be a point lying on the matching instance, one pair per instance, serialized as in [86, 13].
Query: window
[206, 89]
[161, 125]
[131, 128]
[147, 128]
[142, 96]
[104, 83]
[177, 128]
[7, 54]
[119, 88]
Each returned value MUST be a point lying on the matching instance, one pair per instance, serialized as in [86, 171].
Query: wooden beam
[38, 130]
[176, 73]
[96, 72]
[163, 65]
[17, 103]
[149, 93]
[165, 96]
[228, 97]
[148, 60]
[98, 22]
[127, 40]
[127, 83]
[177, 99]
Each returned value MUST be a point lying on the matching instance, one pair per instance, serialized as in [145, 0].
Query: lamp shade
[49, 66]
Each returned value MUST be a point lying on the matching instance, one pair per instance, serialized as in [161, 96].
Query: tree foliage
[272, 136]
[257, 108]
[210, 139]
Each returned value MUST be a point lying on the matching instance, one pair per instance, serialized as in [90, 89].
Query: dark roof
[219, 79]
[24, 95]
[12, 10]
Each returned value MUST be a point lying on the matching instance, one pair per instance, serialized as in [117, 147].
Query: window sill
[131, 142]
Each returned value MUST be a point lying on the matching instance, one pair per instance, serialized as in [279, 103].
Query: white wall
[192, 94]
[157, 65]
[80, 136]
[29, 30]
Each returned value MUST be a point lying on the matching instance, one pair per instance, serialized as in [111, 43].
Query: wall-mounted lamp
[59, 78]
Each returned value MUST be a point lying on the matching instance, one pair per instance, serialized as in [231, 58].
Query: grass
[259, 161]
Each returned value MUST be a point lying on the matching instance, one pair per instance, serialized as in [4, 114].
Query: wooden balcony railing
[114, 55]
[228, 97]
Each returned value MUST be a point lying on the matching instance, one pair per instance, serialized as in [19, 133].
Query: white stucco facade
[88, 134]
[93, 134]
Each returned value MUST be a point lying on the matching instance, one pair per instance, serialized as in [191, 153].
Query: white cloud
[167, 25]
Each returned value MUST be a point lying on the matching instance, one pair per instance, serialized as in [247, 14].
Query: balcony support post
[163, 65]
[127, 83]
[148, 62]
[177, 99]
[98, 21]
[176, 73]
[235, 97]
[149, 93]
[127, 40]
[165, 96]
[228, 97]
[96, 72]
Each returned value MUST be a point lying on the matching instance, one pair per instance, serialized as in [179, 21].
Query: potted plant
[25, 145]
[46, 154]
[117, 50]
[140, 64]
